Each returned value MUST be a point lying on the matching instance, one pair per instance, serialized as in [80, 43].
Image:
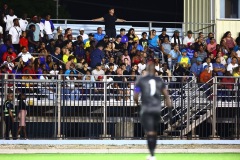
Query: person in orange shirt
[205, 76]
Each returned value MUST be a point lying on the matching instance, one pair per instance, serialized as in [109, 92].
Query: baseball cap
[199, 59]
[189, 32]
[59, 28]
[164, 29]
[176, 31]
[206, 66]
[81, 29]
[184, 50]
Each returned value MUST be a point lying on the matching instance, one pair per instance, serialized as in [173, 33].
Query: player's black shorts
[150, 121]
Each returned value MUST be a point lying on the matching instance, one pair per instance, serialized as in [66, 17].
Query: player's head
[150, 68]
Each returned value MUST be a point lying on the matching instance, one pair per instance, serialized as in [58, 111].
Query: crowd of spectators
[37, 47]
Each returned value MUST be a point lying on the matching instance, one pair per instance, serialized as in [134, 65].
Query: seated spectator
[197, 68]
[10, 65]
[66, 55]
[165, 73]
[232, 55]
[124, 69]
[70, 61]
[201, 52]
[120, 86]
[222, 59]
[54, 71]
[42, 49]
[218, 68]
[236, 72]
[200, 42]
[176, 40]
[71, 68]
[88, 85]
[99, 35]
[111, 60]
[144, 41]
[134, 69]
[153, 41]
[142, 65]
[97, 71]
[128, 67]
[166, 48]
[173, 56]
[204, 77]
[188, 40]
[110, 69]
[194, 59]
[126, 55]
[51, 46]
[30, 69]
[57, 56]
[229, 41]
[232, 65]
[190, 51]
[46, 88]
[157, 64]
[210, 35]
[10, 53]
[84, 69]
[208, 62]
[26, 56]
[49, 61]
[226, 86]
[211, 47]
[184, 60]
[4, 47]
[136, 59]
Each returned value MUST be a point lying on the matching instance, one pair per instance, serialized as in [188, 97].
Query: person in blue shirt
[96, 56]
[99, 35]
[173, 56]
[197, 68]
[218, 68]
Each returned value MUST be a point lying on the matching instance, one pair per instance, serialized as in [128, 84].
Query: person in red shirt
[30, 69]
[205, 76]
[10, 53]
[227, 86]
[23, 40]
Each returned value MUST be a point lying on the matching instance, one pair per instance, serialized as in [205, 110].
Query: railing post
[214, 107]
[59, 106]
[104, 107]
[2, 102]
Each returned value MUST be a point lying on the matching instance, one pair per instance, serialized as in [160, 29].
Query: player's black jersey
[150, 88]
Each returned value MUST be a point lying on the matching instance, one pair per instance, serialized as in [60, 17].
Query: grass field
[164, 156]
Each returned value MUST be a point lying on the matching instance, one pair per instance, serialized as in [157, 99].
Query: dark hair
[144, 33]
[31, 26]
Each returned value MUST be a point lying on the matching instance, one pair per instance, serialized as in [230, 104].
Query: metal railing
[61, 108]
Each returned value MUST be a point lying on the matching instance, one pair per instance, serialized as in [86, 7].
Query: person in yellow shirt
[66, 55]
[184, 60]
[236, 72]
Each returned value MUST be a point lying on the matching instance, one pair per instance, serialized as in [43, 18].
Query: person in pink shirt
[125, 55]
[211, 47]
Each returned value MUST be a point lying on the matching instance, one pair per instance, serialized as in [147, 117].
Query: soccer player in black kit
[151, 88]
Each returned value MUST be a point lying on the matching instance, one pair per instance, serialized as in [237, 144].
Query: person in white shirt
[209, 64]
[141, 66]
[98, 71]
[81, 33]
[15, 32]
[23, 22]
[1, 35]
[232, 65]
[45, 88]
[25, 54]
[48, 26]
[8, 19]
[188, 40]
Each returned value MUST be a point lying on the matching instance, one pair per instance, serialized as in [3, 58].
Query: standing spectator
[4, 11]
[109, 20]
[36, 32]
[48, 26]
[96, 56]
[84, 35]
[163, 35]
[59, 32]
[32, 44]
[204, 77]
[99, 35]
[8, 19]
[188, 40]
[22, 115]
[23, 22]
[14, 33]
[9, 114]
[23, 42]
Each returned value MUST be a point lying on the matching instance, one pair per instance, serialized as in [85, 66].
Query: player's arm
[167, 98]
[98, 19]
